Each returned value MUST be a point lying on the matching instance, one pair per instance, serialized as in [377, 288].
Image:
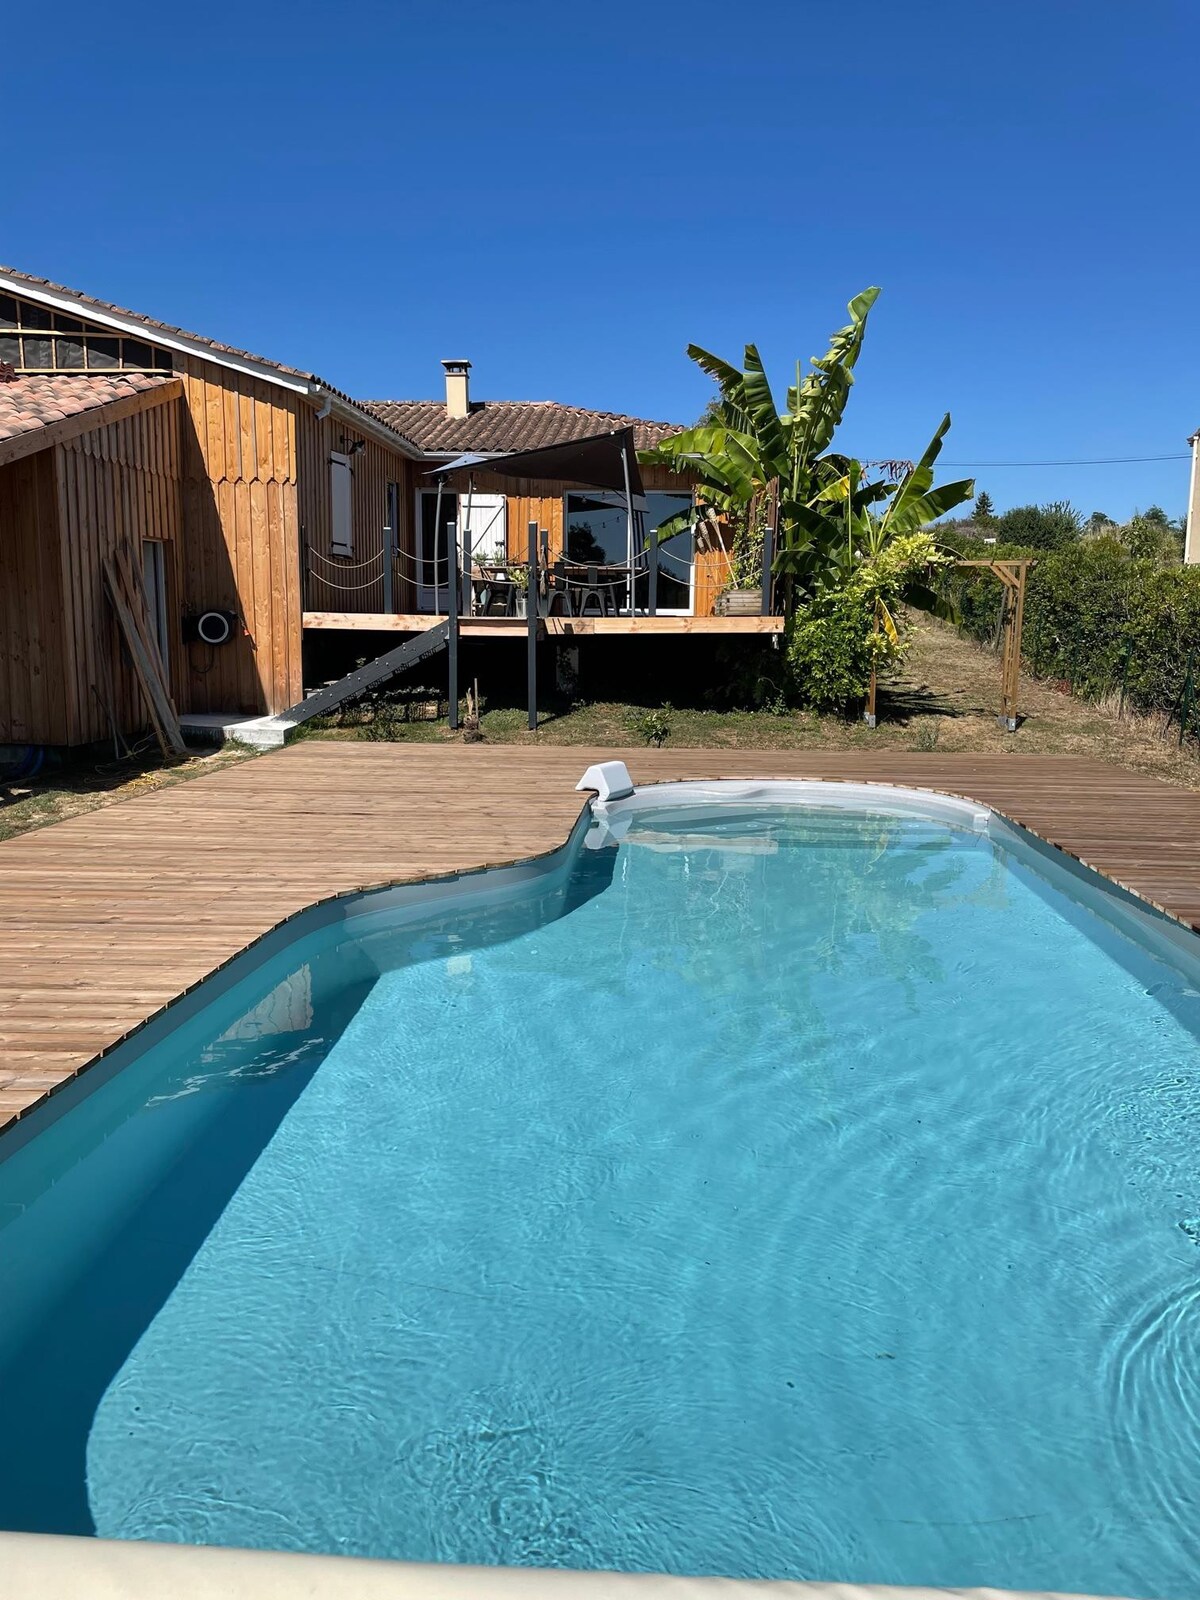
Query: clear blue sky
[567, 193]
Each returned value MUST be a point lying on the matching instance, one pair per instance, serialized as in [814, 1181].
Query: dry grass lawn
[946, 700]
[86, 785]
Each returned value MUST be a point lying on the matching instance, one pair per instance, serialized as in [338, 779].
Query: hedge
[1094, 617]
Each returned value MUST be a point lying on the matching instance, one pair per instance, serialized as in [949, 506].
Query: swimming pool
[761, 1189]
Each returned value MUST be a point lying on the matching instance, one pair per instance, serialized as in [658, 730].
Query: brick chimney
[458, 383]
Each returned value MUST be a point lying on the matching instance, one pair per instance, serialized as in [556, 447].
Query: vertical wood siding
[241, 550]
[33, 699]
[116, 485]
[353, 583]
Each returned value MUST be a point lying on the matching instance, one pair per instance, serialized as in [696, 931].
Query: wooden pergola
[1012, 574]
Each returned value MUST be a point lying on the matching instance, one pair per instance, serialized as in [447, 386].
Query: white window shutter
[341, 496]
[483, 516]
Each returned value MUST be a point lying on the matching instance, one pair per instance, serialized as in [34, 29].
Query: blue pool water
[785, 1195]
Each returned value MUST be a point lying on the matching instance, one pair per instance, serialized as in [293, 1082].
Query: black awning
[595, 461]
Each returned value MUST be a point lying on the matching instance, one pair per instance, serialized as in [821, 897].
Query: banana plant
[832, 515]
[845, 522]
[746, 442]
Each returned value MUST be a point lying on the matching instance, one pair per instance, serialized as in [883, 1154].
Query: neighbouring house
[261, 505]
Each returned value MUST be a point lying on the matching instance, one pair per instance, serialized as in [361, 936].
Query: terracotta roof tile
[36, 401]
[504, 425]
[151, 323]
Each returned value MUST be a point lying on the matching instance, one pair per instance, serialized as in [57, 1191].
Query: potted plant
[519, 577]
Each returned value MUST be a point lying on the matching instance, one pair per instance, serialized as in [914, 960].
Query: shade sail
[595, 461]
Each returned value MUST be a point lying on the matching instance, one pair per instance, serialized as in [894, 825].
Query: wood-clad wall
[33, 705]
[117, 485]
[240, 548]
[64, 675]
[355, 582]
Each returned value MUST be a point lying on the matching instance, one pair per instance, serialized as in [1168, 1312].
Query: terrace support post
[465, 580]
[531, 614]
[652, 597]
[628, 523]
[455, 601]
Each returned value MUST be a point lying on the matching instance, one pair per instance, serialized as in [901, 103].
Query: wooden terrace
[556, 627]
[106, 917]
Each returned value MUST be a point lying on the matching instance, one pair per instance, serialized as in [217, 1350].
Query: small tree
[1047, 527]
[985, 511]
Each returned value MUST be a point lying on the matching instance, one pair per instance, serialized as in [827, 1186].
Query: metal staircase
[268, 733]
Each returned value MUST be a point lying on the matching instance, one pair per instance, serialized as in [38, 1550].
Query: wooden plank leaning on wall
[117, 486]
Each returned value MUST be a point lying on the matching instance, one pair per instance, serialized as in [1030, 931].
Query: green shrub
[834, 641]
[1094, 616]
[1047, 527]
[653, 726]
[830, 650]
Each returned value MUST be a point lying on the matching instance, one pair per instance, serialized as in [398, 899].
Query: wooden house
[258, 503]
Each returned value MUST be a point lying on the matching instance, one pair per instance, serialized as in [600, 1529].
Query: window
[341, 495]
[33, 339]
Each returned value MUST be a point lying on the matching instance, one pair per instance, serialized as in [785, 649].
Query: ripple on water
[1152, 1385]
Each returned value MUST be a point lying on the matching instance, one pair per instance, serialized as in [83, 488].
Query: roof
[227, 354]
[30, 404]
[504, 425]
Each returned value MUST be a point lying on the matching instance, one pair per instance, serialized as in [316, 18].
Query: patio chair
[595, 595]
[558, 597]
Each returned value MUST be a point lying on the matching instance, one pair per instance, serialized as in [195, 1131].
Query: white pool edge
[36, 1566]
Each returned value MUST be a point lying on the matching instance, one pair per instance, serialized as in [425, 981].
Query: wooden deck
[548, 627]
[106, 917]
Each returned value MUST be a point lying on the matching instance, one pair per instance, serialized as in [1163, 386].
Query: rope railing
[341, 564]
[612, 584]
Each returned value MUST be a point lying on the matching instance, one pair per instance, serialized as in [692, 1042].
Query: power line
[1098, 461]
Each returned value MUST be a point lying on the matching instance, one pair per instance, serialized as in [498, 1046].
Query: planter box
[740, 603]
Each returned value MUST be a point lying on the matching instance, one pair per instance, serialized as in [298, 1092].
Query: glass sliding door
[676, 555]
[597, 535]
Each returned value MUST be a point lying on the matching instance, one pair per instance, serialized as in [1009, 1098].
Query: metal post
[437, 519]
[531, 613]
[465, 587]
[652, 598]
[628, 522]
[1189, 681]
[454, 599]
[1125, 678]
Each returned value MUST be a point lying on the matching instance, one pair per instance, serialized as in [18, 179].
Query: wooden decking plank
[105, 918]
